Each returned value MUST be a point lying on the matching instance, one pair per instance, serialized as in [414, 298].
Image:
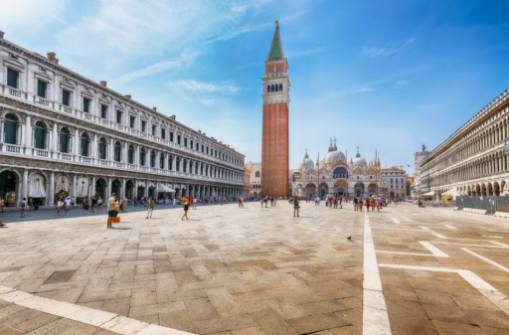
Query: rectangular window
[178, 139]
[154, 129]
[12, 78]
[119, 116]
[66, 97]
[191, 144]
[41, 88]
[143, 125]
[132, 120]
[104, 111]
[86, 105]
[171, 136]
[185, 142]
[163, 133]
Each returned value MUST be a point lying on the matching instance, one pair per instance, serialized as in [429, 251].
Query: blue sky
[386, 75]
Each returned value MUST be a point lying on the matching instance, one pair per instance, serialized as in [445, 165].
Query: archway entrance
[140, 192]
[129, 188]
[310, 190]
[100, 188]
[359, 189]
[324, 190]
[372, 189]
[115, 188]
[8, 185]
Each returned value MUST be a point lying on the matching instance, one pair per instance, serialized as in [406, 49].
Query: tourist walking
[2, 205]
[113, 208]
[60, 206]
[150, 207]
[296, 207]
[185, 204]
[23, 208]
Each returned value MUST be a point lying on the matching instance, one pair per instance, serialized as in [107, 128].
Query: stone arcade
[63, 134]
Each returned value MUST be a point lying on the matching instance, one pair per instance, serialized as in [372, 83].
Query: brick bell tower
[276, 87]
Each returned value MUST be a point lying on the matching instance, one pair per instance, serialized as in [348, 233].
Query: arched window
[153, 159]
[84, 144]
[103, 145]
[184, 166]
[161, 161]
[11, 129]
[340, 172]
[257, 174]
[40, 133]
[280, 87]
[143, 156]
[130, 155]
[118, 151]
[268, 88]
[178, 164]
[64, 137]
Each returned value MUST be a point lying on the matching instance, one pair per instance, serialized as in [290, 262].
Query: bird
[349, 238]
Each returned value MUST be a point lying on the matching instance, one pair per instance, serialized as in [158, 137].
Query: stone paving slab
[259, 271]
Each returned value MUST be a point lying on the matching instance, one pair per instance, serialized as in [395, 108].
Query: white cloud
[205, 93]
[194, 86]
[26, 17]
[372, 51]
[123, 28]
[182, 61]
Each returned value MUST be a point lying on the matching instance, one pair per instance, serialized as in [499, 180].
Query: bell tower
[275, 137]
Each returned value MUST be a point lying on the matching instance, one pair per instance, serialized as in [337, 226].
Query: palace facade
[473, 160]
[62, 134]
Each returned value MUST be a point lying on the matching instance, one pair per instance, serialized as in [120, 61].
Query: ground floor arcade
[44, 187]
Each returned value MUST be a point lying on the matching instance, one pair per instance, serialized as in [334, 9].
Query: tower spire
[276, 48]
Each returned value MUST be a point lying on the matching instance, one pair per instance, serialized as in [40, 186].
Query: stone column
[51, 192]
[93, 151]
[91, 187]
[28, 132]
[74, 187]
[76, 143]
[108, 189]
[122, 189]
[24, 193]
[145, 192]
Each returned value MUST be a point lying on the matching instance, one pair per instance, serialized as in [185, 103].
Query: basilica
[337, 175]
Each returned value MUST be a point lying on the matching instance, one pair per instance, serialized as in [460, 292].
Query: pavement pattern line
[433, 251]
[491, 293]
[396, 221]
[486, 259]
[90, 316]
[451, 227]
[375, 319]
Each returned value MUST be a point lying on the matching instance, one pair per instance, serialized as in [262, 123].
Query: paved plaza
[254, 270]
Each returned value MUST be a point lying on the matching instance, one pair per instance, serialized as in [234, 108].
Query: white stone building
[64, 134]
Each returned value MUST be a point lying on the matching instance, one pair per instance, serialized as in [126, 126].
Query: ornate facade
[276, 88]
[334, 174]
[474, 159]
[64, 134]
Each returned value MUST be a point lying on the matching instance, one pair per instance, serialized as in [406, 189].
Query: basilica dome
[307, 163]
[359, 162]
[334, 157]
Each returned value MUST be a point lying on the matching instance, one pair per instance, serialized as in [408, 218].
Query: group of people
[264, 202]
[370, 202]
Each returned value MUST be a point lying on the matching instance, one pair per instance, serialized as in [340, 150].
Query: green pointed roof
[276, 48]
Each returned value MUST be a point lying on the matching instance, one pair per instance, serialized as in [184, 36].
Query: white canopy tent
[162, 188]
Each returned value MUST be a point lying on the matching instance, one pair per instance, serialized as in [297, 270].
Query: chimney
[52, 57]
[103, 83]
[128, 96]
[1, 35]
